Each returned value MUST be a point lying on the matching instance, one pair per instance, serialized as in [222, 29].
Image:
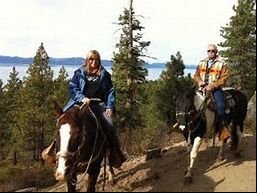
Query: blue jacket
[78, 84]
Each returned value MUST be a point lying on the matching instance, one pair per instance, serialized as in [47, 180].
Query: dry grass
[13, 178]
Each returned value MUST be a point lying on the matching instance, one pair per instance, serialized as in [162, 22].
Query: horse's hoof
[188, 179]
[237, 155]
[233, 147]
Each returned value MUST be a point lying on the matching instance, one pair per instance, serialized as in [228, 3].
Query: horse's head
[69, 138]
[188, 103]
[185, 107]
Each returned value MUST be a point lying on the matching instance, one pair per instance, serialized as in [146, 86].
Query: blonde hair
[89, 55]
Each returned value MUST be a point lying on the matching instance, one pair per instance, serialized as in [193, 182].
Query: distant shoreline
[72, 61]
[106, 64]
[154, 71]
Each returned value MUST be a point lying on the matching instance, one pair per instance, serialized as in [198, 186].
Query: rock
[251, 109]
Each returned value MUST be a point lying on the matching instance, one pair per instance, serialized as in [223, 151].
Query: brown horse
[80, 144]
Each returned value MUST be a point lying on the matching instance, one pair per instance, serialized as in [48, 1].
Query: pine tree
[2, 122]
[158, 110]
[12, 95]
[151, 112]
[171, 80]
[36, 120]
[61, 94]
[240, 46]
[170, 83]
[128, 70]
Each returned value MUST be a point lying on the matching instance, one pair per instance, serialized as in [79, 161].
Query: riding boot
[48, 155]
[224, 132]
[116, 156]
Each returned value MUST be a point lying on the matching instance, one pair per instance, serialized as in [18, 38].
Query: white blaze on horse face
[64, 138]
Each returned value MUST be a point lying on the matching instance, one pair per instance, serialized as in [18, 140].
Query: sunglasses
[212, 51]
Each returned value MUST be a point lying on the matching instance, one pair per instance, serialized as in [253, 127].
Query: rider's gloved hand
[109, 112]
[210, 87]
[86, 100]
[201, 84]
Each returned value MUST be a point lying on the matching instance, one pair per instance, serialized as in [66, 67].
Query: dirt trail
[165, 174]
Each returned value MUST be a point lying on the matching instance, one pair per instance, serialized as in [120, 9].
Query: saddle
[229, 101]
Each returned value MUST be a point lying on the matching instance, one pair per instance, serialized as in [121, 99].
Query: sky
[70, 28]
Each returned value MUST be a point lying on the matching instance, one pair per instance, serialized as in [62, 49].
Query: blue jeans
[99, 110]
[218, 96]
[107, 123]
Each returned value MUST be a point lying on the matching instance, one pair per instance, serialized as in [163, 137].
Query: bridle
[182, 113]
[69, 154]
[192, 115]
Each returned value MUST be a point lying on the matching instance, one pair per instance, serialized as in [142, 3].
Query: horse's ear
[194, 86]
[57, 109]
[191, 90]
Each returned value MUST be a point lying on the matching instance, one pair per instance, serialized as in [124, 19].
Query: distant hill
[15, 60]
[53, 61]
[163, 65]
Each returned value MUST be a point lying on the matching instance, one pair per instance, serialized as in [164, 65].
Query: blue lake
[153, 73]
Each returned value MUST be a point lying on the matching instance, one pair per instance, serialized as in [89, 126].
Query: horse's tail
[241, 107]
[239, 111]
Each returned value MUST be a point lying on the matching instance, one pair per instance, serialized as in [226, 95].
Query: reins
[98, 127]
[200, 113]
[94, 147]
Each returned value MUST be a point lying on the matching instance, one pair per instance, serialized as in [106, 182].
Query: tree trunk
[14, 157]
[34, 153]
[35, 144]
[42, 145]
[127, 141]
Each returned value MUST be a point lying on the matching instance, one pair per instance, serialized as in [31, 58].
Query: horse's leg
[111, 175]
[221, 151]
[213, 139]
[239, 135]
[234, 137]
[92, 178]
[210, 117]
[71, 182]
[193, 155]
[236, 141]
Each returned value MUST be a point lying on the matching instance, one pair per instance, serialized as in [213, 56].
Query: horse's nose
[59, 176]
